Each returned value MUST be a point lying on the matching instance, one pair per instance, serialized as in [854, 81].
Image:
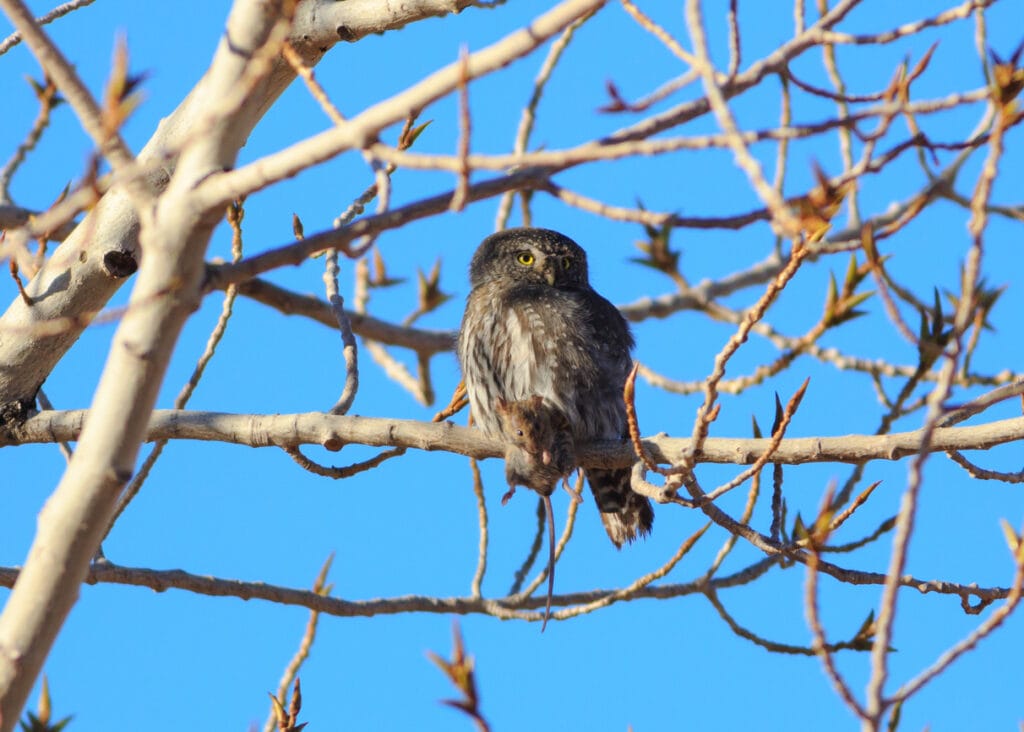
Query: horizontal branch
[104, 572]
[334, 432]
[605, 149]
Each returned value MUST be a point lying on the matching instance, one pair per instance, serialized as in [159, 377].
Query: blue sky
[131, 658]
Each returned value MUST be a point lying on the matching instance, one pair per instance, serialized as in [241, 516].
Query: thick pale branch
[175, 233]
[93, 262]
[333, 432]
[360, 131]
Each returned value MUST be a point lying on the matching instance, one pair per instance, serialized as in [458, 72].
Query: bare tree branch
[335, 431]
[72, 526]
[102, 251]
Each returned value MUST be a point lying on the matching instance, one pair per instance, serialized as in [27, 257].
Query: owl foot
[508, 496]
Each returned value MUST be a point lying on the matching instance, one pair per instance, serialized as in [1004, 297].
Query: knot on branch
[12, 416]
[976, 608]
[119, 263]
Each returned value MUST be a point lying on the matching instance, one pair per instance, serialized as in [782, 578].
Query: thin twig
[349, 350]
[658, 32]
[777, 436]
[47, 96]
[819, 642]
[340, 473]
[531, 556]
[701, 60]
[629, 591]
[876, 703]
[529, 114]
[563, 541]
[481, 509]
[996, 619]
[981, 473]
[291, 671]
[706, 412]
[845, 137]
[58, 12]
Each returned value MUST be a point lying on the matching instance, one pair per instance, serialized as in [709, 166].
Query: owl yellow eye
[525, 259]
[566, 262]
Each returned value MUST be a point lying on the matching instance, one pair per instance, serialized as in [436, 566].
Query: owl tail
[626, 515]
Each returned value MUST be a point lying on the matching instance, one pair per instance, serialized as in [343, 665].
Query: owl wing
[611, 340]
[626, 515]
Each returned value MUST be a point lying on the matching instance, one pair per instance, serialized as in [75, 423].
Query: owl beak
[545, 457]
[549, 274]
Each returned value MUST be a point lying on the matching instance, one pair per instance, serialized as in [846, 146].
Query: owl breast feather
[538, 340]
[548, 354]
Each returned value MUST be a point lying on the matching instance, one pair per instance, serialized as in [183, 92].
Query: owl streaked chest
[531, 356]
[517, 343]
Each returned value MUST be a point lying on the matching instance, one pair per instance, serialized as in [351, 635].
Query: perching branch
[334, 431]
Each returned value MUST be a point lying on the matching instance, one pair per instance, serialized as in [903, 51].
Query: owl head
[534, 256]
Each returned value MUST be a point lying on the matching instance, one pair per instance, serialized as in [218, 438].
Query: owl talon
[508, 496]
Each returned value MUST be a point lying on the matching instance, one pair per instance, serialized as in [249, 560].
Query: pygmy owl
[534, 327]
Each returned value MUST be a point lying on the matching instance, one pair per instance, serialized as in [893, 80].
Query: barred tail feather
[626, 515]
